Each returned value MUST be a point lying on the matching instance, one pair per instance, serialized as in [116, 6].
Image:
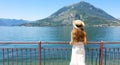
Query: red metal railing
[57, 53]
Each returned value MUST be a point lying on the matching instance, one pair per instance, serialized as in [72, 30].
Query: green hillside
[91, 15]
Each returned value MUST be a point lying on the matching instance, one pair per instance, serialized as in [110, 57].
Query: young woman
[78, 39]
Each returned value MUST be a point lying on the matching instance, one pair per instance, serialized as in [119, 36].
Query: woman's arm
[85, 38]
[72, 36]
[71, 41]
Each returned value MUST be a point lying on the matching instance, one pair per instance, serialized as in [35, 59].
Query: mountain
[91, 15]
[11, 22]
[118, 18]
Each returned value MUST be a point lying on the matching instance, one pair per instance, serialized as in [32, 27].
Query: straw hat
[78, 24]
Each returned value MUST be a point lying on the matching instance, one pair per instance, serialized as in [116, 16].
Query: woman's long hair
[78, 34]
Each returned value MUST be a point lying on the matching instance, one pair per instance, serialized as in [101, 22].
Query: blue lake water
[56, 33]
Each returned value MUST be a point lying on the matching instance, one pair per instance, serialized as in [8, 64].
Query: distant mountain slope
[11, 22]
[91, 15]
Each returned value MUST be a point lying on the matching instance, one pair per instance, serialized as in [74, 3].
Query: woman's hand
[71, 43]
[85, 42]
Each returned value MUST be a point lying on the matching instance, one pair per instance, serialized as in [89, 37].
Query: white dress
[78, 54]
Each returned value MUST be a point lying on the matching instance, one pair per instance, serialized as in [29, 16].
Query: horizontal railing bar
[111, 42]
[66, 42]
[54, 42]
[61, 42]
[93, 42]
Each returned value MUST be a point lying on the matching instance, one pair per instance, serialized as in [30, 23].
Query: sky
[38, 9]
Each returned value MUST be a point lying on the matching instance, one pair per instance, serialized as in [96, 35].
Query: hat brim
[78, 22]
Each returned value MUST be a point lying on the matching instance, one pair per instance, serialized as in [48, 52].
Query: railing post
[101, 52]
[39, 53]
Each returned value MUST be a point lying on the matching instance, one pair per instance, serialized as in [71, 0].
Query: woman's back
[78, 35]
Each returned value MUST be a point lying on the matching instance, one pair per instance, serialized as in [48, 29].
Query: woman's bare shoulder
[73, 31]
[84, 33]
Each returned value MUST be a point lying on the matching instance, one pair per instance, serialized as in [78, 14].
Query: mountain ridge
[89, 13]
[11, 22]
